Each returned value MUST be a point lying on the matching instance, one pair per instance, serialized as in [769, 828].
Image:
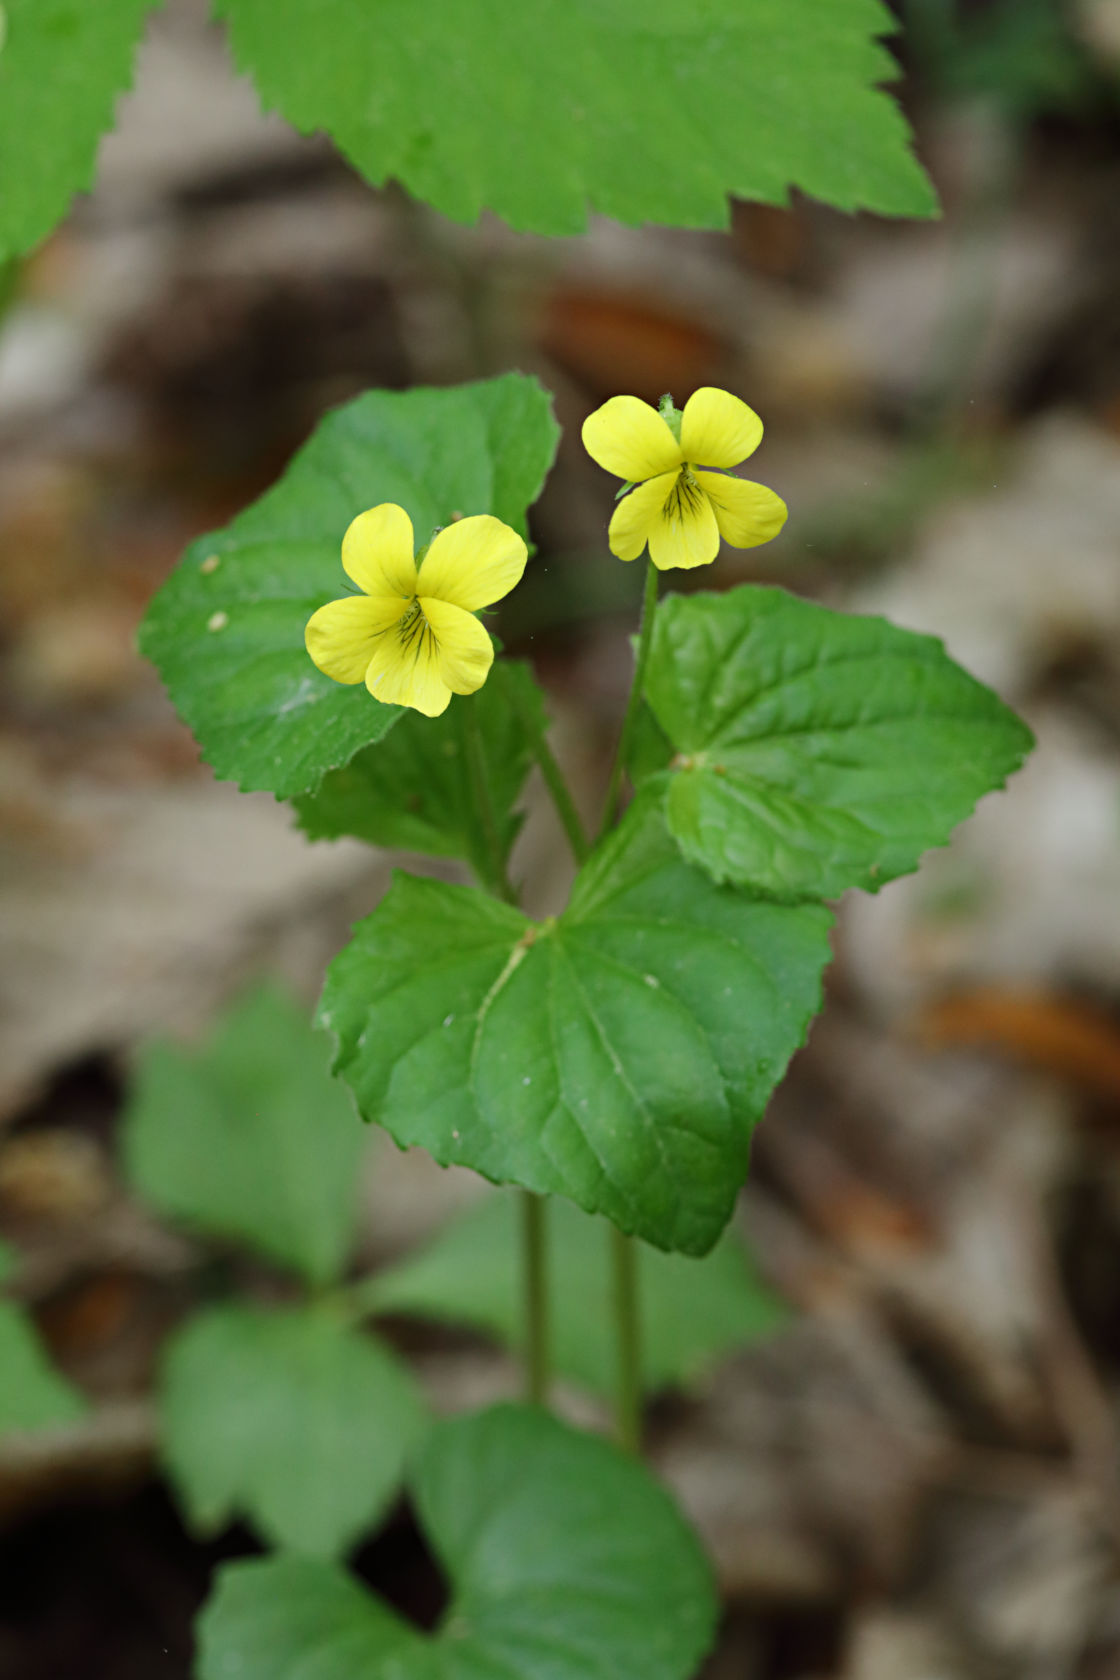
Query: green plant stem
[534, 1212]
[563, 801]
[499, 881]
[534, 1239]
[633, 705]
[624, 1256]
[628, 1342]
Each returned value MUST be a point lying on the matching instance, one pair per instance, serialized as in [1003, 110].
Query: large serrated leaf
[640, 109]
[288, 1417]
[610, 1056]
[63, 64]
[566, 1561]
[693, 1312]
[414, 788]
[250, 1138]
[226, 630]
[816, 750]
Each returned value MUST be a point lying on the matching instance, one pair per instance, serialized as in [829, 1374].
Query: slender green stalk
[534, 1248]
[628, 1340]
[563, 801]
[624, 1256]
[633, 705]
[499, 880]
[534, 1213]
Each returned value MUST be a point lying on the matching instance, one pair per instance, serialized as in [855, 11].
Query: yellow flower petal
[686, 534]
[747, 514]
[377, 552]
[472, 564]
[717, 430]
[464, 651]
[637, 514]
[630, 439]
[404, 670]
[343, 636]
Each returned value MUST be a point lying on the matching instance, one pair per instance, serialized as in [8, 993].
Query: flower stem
[533, 1211]
[563, 801]
[633, 705]
[534, 1239]
[499, 880]
[628, 1348]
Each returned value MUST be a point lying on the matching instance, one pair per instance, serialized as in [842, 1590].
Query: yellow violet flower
[412, 636]
[678, 506]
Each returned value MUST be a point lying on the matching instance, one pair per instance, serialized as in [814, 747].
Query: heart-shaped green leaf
[414, 789]
[815, 750]
[642, 109]
[226, 630]
[609, 1056]
[249, 1137]
[288, 1417]
[693, 1312]
[566, 1561]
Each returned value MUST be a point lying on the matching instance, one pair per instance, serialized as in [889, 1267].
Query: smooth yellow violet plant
[412, 636]
[678, 505]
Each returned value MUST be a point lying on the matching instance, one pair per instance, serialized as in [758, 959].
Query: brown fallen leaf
[1059, 1035]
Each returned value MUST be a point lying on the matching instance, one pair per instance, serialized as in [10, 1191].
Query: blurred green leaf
[1023, 55]
[413, 789]
[63, 66]
[610, 1056]
[287, 1417]
[566, 1561]
[226, 630]
[640, 109]
[249, 1137]
[817, 750]
[32, 1393]
[693, 1312]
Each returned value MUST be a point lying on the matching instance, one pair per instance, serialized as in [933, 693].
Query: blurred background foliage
[912, 1475]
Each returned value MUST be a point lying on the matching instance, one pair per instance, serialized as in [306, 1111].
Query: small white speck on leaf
[455, 1135]
[528, 1079]
[217, 621]
[651, 980]
[447, 1020]
[210, 564]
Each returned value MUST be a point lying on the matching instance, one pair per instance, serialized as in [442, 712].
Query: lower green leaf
[610, 1056]
[32, 1393]
[248, 1137]
[693, 1312]
[287, 1417]
[566, 1560]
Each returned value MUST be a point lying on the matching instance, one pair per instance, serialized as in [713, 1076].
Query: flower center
[685, 499]
[411, 626]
